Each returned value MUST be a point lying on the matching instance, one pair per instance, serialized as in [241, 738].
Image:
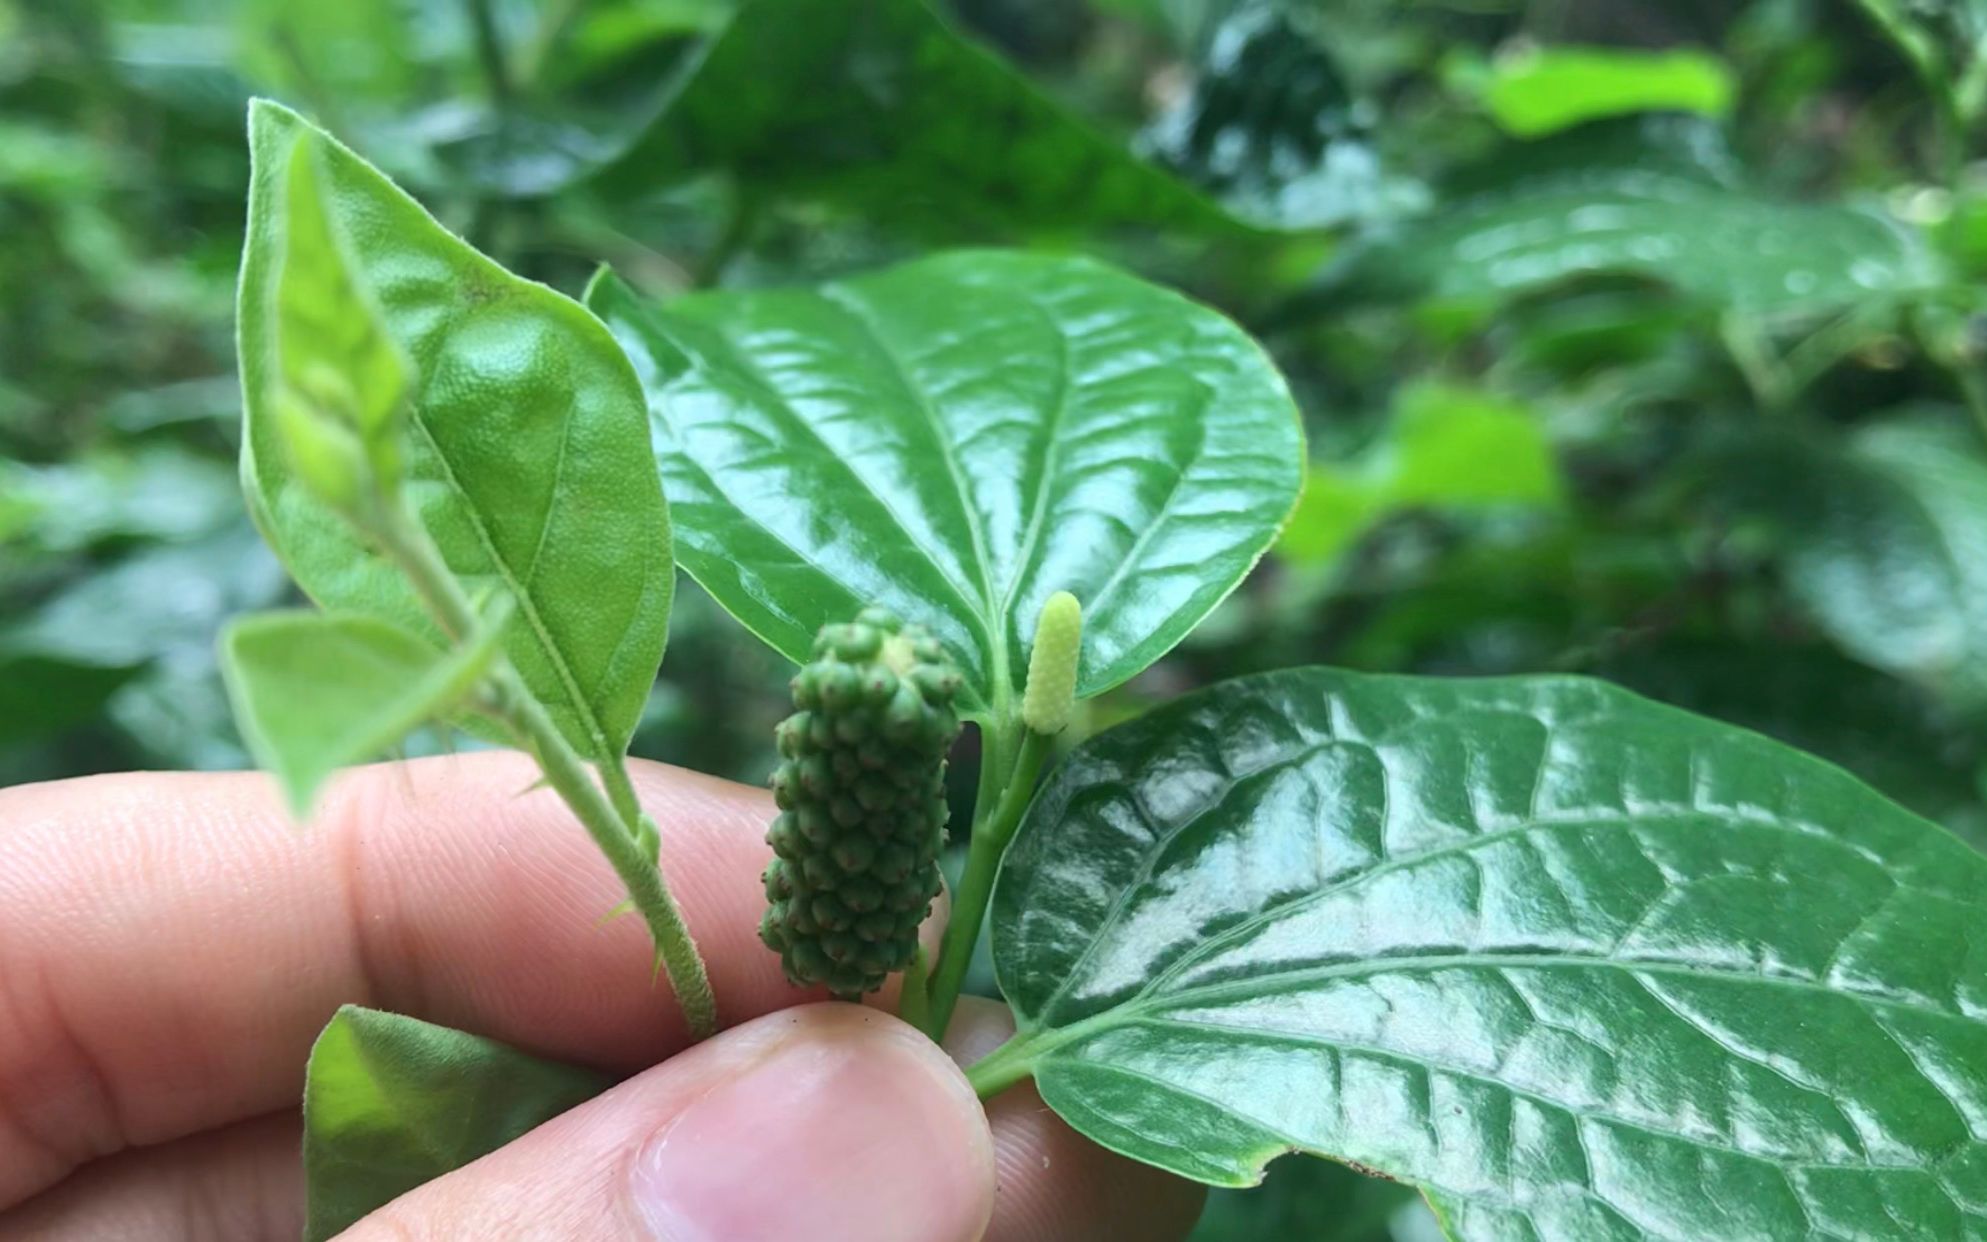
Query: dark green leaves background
[1629, 338]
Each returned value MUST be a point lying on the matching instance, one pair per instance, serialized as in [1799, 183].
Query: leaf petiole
[994, 823]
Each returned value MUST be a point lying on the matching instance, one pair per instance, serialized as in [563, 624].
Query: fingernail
[846, 1130]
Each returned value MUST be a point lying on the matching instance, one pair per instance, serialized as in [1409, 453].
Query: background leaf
[1444, 448]
[970, 433]
[526, 457]
[316, 693]
[1603, 203]
[936, 130]
[391, 1102]
[1541, 90]
[1885, 546]
[1578, 965]
[1272, 127]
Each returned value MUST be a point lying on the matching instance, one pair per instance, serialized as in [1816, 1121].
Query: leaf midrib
[742, 365]
[527, 607]
[1050, 1039]
[838, 296]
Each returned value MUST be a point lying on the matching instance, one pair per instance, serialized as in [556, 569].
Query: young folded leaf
[314, 693]
[525, 440]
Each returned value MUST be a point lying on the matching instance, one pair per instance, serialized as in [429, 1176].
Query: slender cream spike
[1051, 692]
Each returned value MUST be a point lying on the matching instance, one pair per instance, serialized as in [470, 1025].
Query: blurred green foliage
[1638, 339]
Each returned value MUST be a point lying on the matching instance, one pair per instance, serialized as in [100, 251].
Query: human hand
[171, 944]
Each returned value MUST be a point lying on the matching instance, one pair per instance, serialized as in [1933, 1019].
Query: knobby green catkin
[861, 792]
[1051, 692]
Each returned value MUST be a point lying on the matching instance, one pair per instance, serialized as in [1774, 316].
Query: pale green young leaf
[391, 1102]
[1581, 967]
[958, 438]
[314, 693]
[329, 335]
[1540, 90]
[1445, 448]
[525, 446]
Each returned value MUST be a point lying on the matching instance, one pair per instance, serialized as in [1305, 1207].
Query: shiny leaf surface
[391, 1102]
[315, 693]
[958, 438]
[1580, 966]
[526, 452]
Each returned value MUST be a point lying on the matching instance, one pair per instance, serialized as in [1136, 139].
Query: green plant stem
[613, 831]
[1001, 1068]
[621, 791]
[994, 822]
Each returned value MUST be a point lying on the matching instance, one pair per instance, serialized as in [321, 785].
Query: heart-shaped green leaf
[314, 693]
[526, 451]
[959, 438]
[391, 1102]
[1580, 966]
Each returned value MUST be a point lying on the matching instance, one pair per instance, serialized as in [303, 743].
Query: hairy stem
[994, 820]
[614, 831]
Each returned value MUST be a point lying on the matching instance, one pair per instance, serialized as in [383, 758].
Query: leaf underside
[1578, 965]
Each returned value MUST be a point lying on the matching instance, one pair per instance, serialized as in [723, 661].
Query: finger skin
[831, 1122]
[243, 1183]
[170, 945]
[1054, 1184]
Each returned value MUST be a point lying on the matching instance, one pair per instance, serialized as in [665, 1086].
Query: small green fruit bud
[1045, 706]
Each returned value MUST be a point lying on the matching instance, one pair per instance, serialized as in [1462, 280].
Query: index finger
[170, 945]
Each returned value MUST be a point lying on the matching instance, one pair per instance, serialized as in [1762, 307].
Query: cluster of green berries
[861, 792]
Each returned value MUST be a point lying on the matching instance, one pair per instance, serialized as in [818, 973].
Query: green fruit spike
[1051, 692]
[861, 792]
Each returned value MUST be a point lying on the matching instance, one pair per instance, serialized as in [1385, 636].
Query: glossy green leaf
[526, 450]
[881, 106]
[958, 438]
[391, 1102]
[1606, 203]
[1445, 448]
[314, 693]
[1271, 127]
[1578, 965]
[1885, 543]
[1541, 90]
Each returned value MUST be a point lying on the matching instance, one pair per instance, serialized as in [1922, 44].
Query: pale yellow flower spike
[1051, 692]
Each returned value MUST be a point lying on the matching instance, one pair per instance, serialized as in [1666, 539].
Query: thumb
[826, 1122]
